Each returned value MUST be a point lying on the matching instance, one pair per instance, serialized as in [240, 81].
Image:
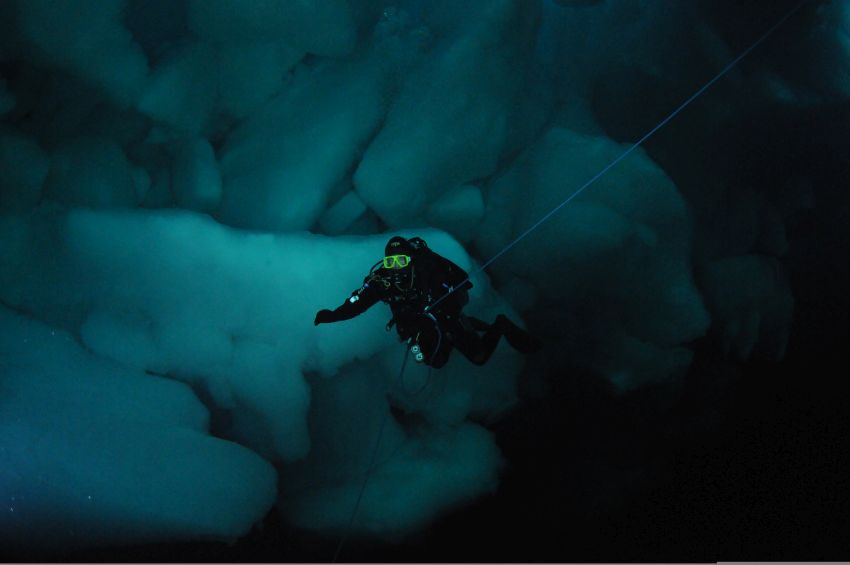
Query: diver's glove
[323, 317]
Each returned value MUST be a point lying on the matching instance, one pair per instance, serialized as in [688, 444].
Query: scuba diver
[427, 309]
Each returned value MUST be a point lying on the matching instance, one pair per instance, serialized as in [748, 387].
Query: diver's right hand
[323, 317]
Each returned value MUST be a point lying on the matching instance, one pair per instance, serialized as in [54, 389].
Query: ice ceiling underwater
[183, 184]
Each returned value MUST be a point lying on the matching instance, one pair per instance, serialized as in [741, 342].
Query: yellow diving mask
[396, 261]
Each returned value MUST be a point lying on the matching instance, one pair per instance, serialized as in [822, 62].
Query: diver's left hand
[323, 317]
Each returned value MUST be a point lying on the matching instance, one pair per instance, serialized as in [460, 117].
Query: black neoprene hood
[397, 245]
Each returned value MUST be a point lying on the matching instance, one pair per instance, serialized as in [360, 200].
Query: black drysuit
[427, 281]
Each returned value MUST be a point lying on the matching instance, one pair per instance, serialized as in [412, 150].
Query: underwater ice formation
[183, 184]
[617, 258]
[98, 453]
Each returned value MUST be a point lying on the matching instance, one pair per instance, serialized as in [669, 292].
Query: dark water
[738, 461]
[741, 461]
